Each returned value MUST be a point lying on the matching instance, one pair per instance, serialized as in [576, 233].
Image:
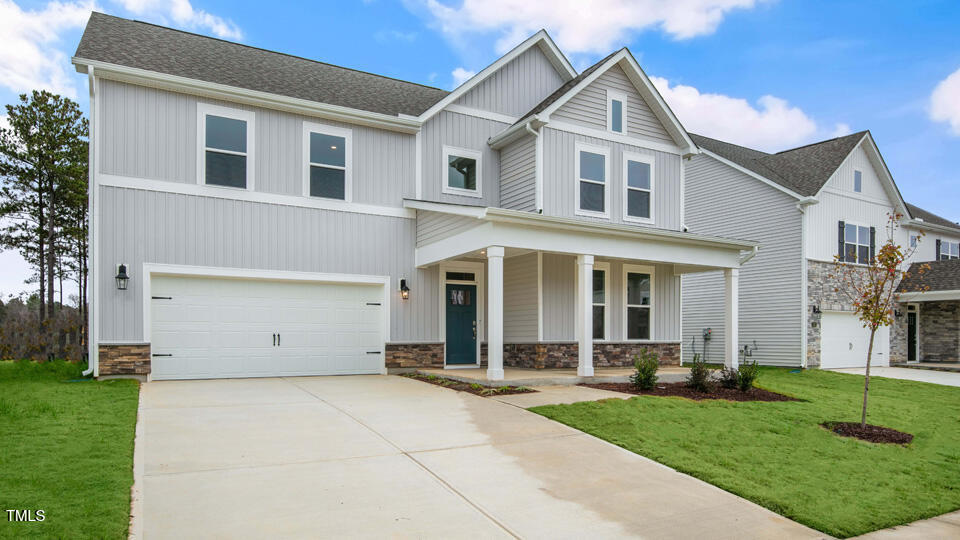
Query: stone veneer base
[124, 360]
[535, 355]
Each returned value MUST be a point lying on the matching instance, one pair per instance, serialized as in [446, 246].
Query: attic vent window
[616, 111]
[857, 181]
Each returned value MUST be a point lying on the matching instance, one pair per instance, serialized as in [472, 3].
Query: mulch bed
[472, 388]
[869, 433]
[680, 389]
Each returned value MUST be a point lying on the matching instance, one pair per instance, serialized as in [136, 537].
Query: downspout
[537, 169]
[91, 287]
[802, 205]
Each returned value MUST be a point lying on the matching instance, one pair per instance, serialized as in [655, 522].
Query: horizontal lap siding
[517, 87]
[461, 131]
[520, 299]
[518, 164]
[726, 202]
[433, 226]
[152, 133]
[141, 226]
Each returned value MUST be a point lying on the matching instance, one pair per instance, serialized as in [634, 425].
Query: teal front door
[461, 301]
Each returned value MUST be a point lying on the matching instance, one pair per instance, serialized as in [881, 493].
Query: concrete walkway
[944, 526]
[945, 378]
[383, 456]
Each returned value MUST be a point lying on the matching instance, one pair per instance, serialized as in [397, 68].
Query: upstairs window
[949, 250]
[638, 183]
[592, 166]
[462, 173]
[328, 154]
[857, 181]
[638, 302]
[226, 146]
[856, 243]
[616, 111]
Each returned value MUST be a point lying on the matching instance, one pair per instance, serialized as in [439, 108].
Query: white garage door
[206, 328]
[844, 342]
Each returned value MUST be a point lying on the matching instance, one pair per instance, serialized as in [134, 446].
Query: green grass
[65, 448]
[778, 456]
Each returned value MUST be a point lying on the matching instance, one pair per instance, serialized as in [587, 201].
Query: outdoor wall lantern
[122, 277]
[897, 313]
[404, 290]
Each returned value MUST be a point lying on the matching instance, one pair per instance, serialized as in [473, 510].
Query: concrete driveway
[946, 378]
[380, 456]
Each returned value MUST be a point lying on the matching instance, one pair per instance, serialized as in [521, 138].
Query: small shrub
[475, 386]
[699, 378]
[729, 378]
[748, 374]
[645, 370]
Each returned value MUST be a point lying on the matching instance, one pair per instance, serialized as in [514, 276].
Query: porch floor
[551, 376]
[936, 366]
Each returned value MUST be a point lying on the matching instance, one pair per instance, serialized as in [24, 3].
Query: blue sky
[769, 74]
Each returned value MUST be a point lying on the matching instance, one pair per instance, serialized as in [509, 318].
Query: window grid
[949, 250]
[856, 248]
[583, 154]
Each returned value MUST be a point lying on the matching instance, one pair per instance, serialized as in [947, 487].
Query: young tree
[872, 287]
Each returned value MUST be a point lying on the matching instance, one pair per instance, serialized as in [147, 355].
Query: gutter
[516, 131]
[933, 227]
[803, 203]
[744, 259]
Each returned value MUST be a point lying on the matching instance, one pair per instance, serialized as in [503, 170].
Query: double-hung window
[638, 183]
[592, 164]
[225, 139]
[949, 250]
[616, 111]
[328, 156]
[462, 172]
[638, 302]
[857, 243]
[601, 284]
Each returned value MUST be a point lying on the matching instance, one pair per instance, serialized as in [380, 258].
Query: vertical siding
[589, 108]
[462, 131]
[152, 133]
[142, 226]
[517, 87]
[726, 202]
[433, 226]
[559, 178]
[559, 296]
[518, 163]
[520, 299]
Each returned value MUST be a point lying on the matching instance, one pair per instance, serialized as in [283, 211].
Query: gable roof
[930, 217]
[940, 276]
[564, 89]
[145, 46]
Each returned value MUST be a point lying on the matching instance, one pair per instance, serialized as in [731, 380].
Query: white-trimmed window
[914, 240]
[225, 139]
[638, 302]
[462, 171]
[949, 250]
[328, 158]
[638, 174]
[592, 166]
[616, 111]
[857, 181]
[856, 243]
[601, 300]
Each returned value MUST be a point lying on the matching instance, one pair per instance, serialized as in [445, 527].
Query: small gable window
[462, 173]
[616, 111]
[638, 183]
[593, 170]
[857, 181]
[328, 157]
[226, 149]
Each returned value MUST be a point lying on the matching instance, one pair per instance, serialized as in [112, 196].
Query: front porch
[552, 377]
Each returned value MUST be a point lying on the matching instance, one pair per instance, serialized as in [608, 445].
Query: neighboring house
[932, 299]
[280, 216]
[806, 206]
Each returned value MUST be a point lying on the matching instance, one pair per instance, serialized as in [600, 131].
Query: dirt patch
[472, 388]
[869, 433]
[680, 389]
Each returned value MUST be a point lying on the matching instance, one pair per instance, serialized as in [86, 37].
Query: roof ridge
[861, 133]
[261, 49]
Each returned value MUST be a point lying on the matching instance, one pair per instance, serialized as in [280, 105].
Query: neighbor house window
[856, 243]
[327, 168]
[601, 273]
[638, 302]
[592, 169]
[616, 111]
[638, 183]
[949, 250]
[857, 181]
[462, 172]
[226, 146]
[914, 240]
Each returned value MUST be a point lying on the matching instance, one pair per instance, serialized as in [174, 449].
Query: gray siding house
[257, 214]
[806, 206]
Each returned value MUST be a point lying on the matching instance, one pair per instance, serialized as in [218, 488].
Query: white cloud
[945, 102]
[183, 14]
[29, 58]
[840, 130]
[581, 27]
[461, 75]
[773, 124]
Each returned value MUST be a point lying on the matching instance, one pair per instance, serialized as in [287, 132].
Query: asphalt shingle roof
[930, 217]
[803, 170]
[941, 276]
[155, 48]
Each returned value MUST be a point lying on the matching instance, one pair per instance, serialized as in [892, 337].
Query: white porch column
[585, 314]
[731, 316]
[495, 313]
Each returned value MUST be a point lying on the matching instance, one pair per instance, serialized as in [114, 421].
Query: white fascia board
[446, 208]
[932, 227]
[515, 132]
[251, 97]
[928, 296]
[555, 57]
[752, 174]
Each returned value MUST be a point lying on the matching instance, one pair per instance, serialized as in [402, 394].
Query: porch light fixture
[897, 313]
[816, 310]
[404, 290]
[122, 277]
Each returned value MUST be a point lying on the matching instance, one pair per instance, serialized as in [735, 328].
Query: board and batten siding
[518, 175]
[138, 226]
[460, 131]
[520, 306]
[434, 226]
[725, 202]
[517, 87]
[152, 133]
[589, 108]
[560, 179]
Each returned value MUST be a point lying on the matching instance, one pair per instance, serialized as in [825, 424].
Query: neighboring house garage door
[206, 328]
[844, 342]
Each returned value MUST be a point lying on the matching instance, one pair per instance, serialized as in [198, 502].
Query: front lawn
[777, 455]
[65, 448]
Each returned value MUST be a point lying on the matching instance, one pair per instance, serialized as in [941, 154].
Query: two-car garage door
[844, 342]
[204, 328]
